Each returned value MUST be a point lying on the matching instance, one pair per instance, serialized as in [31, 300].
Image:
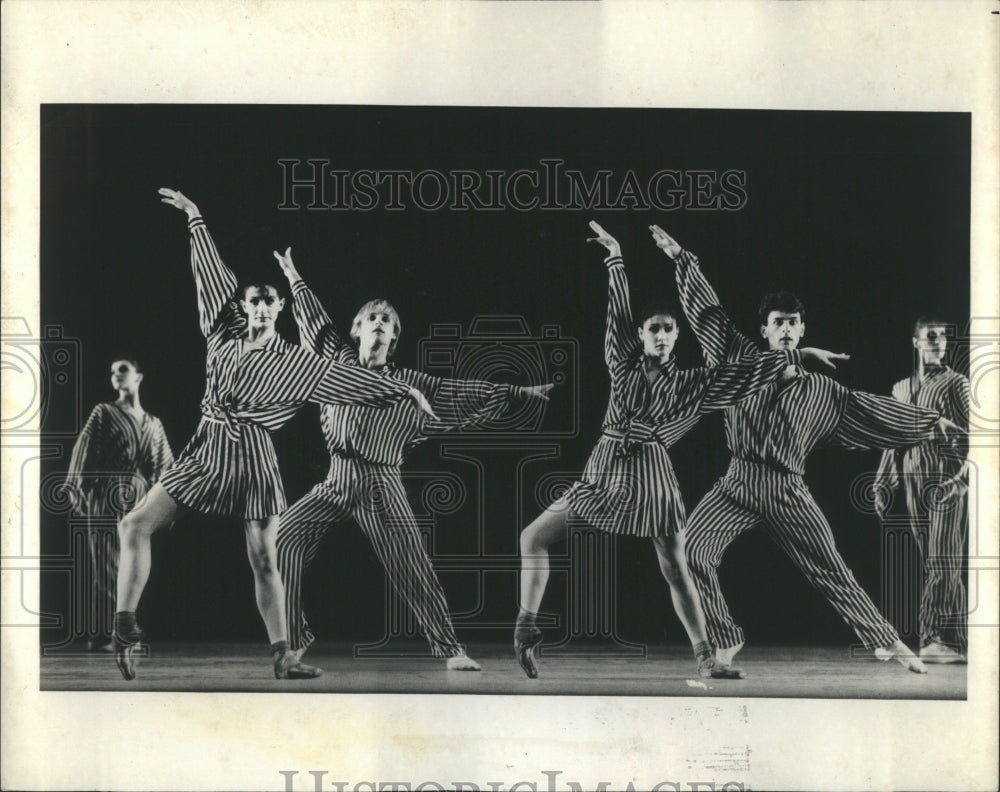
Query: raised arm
[214, 281]
[720, 340]
[316, 330]
[620, 340]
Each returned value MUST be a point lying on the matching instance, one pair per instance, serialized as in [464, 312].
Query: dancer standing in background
[367, 448]
[936, 483]
[255, 382]
[770, 435]
[120, 453]
[629, 486]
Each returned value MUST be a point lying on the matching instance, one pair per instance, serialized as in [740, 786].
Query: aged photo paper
[616, 59]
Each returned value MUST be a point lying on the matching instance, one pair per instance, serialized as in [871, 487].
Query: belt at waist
[231, 423]
[631, 439]
[738, 463]
[617, 434]
[351, 456]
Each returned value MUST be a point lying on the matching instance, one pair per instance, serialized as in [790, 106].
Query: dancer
[120, 453]
[255, 382]
[629, 486]
[935, 480]
[364, 482]
[770, 435]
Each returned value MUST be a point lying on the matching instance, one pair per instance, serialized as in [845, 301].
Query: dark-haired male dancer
[770, 435]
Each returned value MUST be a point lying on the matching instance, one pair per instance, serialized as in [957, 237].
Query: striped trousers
[749, 494]
[374, 497]
[940, 530]
[102, 562]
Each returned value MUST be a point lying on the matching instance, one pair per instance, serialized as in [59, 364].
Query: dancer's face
[931, 343]
[658, 335]
[262, 306]
[376, 330]
[124, 376]
[783, 330]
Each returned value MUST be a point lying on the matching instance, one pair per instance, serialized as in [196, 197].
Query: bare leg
[547, 529]
[262, 552]
[550, 527]
[261, 536]
[155, 511]
[687, 604]
[683, 594]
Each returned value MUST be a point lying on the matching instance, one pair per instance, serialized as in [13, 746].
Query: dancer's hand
[949, 429]
[287, 267]
[538, 391]
[882, 498]
[422, 402]
[604, 238]
[665, 242]
[823, 356]
[179, 200]
[951, 489]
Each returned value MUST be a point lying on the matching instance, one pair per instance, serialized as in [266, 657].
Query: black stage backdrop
[864, 215]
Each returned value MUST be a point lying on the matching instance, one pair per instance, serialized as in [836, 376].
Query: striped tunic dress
[629, 486]
[770, 435]
[115, 460]
[939, 527]
[229, 467]
[364, 483]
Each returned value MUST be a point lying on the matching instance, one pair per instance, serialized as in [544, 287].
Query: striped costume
[116, 459]
[940, 528]
[629, 486]
[364, 483]
[770, 436]
[229, 467]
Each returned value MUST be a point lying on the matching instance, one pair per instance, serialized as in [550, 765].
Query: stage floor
[773, 672]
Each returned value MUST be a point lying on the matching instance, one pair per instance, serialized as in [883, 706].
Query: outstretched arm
[315, 326]
[214, 281]
[871, 422]
[460, 402]
[338, 384]
[619, 339]
[718, 336]
[730, 383]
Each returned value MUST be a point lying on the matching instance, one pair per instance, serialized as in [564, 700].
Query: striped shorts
[216, 475]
